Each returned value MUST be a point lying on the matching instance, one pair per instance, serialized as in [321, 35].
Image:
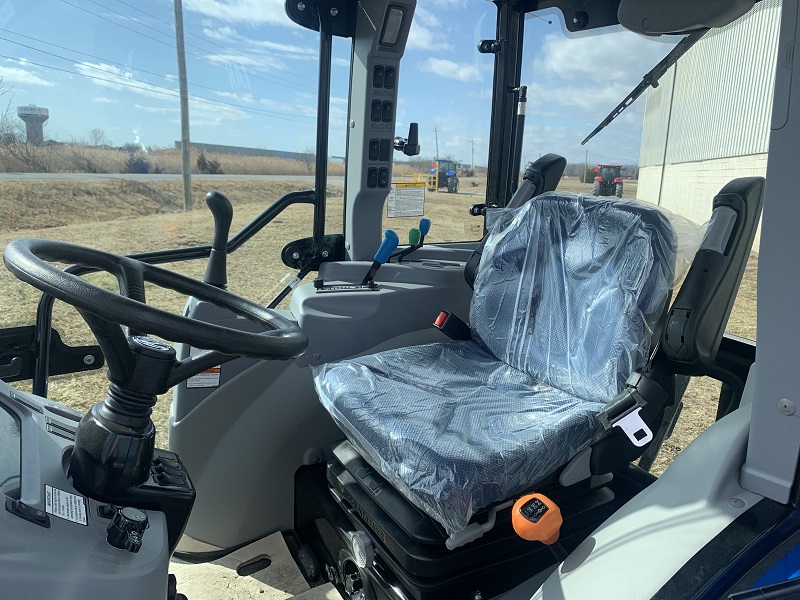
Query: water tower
[34, 117]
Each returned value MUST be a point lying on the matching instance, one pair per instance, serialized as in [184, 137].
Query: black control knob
[126, 529]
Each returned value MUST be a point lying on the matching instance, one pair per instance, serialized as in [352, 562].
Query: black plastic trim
[18, 343]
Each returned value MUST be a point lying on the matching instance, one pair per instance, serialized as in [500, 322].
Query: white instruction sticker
[65, 505]
[406, 200]
[205, 379]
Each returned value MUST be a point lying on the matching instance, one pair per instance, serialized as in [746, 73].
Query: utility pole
[473, 155]
[184, 93]
[585, 166]
[436, 133]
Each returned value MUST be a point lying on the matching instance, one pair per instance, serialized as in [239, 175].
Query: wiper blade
[650, 79]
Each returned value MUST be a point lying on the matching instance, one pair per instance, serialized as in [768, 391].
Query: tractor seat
[568, 294]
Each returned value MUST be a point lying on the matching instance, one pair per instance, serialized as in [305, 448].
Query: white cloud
[228, 35]
[421, 37]
[242, 11]
[234, 96]
[451, 70]
[202, 111]
[16, 75]
[103, 100]
[592, 98]
[340, 62]
[247, 61]
[157, 109]
[426, 17]
[220, 34]
[619, 57]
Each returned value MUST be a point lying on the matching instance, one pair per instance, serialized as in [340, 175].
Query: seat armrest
[697, 318]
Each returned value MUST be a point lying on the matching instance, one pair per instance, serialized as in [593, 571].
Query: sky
[111, 65]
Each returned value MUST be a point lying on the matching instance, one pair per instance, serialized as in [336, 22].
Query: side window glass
[91, 142]
[445, 86]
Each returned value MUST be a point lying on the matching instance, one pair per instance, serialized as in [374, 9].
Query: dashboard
[56, 542]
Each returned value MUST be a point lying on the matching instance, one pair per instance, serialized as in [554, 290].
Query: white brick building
[708, 120]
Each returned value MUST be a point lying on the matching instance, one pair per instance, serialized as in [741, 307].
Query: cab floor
[219, 580]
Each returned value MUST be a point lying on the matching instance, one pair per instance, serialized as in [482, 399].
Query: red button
[439, 322]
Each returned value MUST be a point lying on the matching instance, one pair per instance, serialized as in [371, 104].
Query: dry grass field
[81, 158]
[130, 216]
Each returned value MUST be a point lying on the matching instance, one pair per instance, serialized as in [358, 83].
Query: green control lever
[416, 239]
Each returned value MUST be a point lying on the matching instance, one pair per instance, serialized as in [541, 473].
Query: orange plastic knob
[536, 518]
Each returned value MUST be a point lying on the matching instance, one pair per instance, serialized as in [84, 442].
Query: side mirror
[654, 17]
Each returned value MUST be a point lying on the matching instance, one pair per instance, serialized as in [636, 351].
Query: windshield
[90, 138]
[90, 142]
[707, 123]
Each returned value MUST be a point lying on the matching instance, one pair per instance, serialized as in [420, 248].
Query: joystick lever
[389, 245]
[410, 146]
[216, 271]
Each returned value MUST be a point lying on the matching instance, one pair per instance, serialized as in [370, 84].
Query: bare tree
[83, 159]
[97, 137]
[309, 158]
[37, 158]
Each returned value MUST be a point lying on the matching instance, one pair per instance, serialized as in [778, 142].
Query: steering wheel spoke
[131, 279]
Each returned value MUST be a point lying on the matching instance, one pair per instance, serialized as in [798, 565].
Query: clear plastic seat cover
[566, 298]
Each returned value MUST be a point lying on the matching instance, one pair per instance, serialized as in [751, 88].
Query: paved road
[151, 177]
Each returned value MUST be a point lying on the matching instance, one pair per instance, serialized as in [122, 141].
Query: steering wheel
[115, 440]
[27, 259]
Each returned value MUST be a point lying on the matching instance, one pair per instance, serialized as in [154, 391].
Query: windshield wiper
[650, 79]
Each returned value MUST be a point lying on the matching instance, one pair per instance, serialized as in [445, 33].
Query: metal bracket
[18, 353]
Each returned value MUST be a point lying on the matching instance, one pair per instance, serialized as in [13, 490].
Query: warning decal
[208, 378]
[65, 505]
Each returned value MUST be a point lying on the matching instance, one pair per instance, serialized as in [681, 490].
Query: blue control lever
[424, 227]
[389, 245]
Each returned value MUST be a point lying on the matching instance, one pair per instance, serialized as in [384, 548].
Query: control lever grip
[424, 226]
[389, 245]
[414, 236]
[222, 210]
[412, 144]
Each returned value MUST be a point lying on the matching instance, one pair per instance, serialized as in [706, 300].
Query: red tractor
[607, 181]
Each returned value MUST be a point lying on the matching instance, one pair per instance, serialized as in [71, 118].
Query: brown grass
[126, 217]
[78, 158]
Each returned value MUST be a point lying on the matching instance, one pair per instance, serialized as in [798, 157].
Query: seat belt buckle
[624, 412]
[635, 428]
[452, 326]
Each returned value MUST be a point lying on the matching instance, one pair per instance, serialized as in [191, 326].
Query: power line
[100, 58]
[156, 89]
[199, 37]
[162, 42]
[267, 76]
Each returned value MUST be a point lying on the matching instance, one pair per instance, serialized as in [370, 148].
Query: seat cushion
[451, 427]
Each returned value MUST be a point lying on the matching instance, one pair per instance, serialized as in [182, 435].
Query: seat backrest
[540, 176]
[571, 287]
